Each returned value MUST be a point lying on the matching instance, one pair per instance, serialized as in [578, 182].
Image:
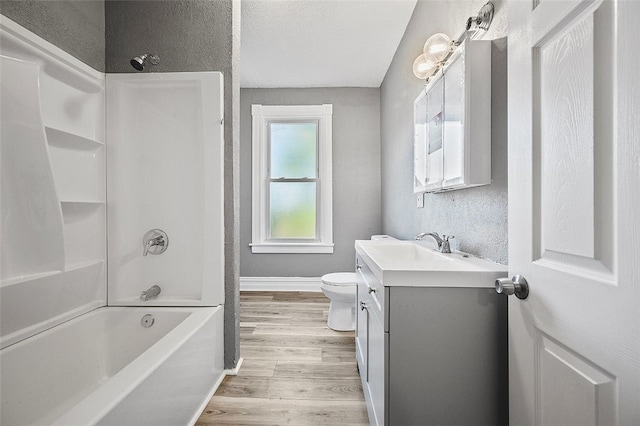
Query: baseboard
[280, 284]
[234, 371]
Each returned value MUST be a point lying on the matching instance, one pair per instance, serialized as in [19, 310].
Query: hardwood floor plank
[300, 296]
[246, 330]
[285, 388]
[257, 368]
[339, 341]
[300, 331]
[276, 353]
[276, 305]
[260, 411]
[338, 354]
[257, 296]
[256, 311]
[295, 371]
[321, 370]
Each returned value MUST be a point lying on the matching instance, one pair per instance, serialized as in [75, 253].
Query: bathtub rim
[120, 385]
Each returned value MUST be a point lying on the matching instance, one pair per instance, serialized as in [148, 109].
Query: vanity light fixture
[439, 46]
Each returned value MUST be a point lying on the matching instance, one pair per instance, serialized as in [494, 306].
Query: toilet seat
[340, 279]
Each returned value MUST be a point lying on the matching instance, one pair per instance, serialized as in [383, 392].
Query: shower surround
[160, 161]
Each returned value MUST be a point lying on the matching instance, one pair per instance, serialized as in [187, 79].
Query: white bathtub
[105, 368]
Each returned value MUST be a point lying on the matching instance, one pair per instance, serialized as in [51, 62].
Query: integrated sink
[408, 254]
[416, 264]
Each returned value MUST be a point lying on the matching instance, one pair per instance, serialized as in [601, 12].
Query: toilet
[340, 287]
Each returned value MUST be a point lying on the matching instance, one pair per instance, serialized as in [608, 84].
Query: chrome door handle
[517, 285]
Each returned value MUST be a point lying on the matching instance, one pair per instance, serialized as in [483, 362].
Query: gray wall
[476, 216]
[356, 178]
[77, 27]
[191, 35]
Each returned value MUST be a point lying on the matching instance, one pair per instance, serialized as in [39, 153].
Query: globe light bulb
[437, 47]
[424, 67]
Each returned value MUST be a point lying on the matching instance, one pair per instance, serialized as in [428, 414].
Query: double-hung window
[291, 183]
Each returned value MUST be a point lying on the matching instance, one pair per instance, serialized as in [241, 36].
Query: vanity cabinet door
[362, 329]
[377, 365]
[370, 342]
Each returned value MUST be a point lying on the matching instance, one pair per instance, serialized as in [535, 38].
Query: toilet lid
[340, 278]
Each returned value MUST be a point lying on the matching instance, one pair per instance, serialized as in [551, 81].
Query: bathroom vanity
[431, 336]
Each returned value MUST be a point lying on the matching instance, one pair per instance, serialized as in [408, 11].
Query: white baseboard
[280, 284]
[234, 371]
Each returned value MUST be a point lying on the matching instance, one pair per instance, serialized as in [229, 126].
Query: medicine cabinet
[452, 123]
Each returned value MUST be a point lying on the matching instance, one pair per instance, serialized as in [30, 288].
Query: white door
[574, 211]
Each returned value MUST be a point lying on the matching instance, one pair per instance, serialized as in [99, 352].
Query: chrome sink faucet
[151, 293]
[443, 243]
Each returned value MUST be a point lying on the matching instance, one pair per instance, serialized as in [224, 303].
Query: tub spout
[151, 293]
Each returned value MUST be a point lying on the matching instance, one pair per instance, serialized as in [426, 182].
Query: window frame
[262, 117]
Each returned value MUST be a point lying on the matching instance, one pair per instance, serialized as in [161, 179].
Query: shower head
[139, 61]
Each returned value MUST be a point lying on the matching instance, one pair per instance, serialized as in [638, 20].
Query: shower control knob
[517, 285]
[155, 241]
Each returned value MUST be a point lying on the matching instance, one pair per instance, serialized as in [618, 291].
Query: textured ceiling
[320, 43]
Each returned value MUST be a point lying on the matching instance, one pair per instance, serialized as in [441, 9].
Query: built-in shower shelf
[23, 278]
[80, 203]
[64, 139]
[82, 265]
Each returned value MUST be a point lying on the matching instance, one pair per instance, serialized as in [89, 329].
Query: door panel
[574, 344]
[561, 369]
[572, 142]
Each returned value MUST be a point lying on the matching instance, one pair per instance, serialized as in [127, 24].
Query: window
[291, 192]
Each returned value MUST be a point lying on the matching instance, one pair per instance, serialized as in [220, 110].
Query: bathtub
[106, 368]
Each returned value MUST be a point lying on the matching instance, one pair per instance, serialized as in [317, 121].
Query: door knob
[517, 285]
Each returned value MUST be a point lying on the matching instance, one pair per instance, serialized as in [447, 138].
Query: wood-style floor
[296, 370]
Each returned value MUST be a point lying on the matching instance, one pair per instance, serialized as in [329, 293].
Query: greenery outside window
[291, 191]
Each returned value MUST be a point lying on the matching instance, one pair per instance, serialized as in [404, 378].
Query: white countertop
[416, 264]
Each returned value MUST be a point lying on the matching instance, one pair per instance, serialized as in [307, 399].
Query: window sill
[291, 248]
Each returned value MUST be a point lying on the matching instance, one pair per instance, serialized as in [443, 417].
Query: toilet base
[341, 316]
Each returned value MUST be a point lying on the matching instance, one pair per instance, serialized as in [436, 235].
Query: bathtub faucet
[155, 241]
[153, 291]
[152, 242]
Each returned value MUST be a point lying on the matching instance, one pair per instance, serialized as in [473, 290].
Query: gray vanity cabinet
[431, 355]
